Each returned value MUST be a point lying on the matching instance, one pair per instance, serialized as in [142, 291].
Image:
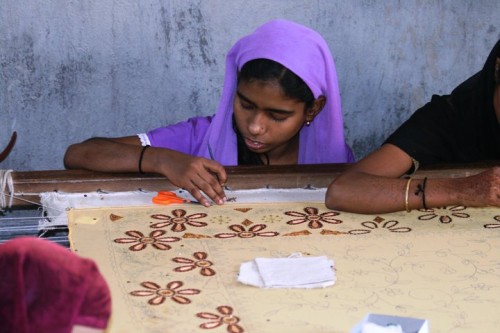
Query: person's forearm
[103, 155]
[368, 194]
[362, 193]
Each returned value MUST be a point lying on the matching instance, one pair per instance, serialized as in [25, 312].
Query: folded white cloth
[291, 272]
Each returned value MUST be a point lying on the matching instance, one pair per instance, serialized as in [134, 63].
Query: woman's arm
[195, 174]
[105, 154]
[373, 185]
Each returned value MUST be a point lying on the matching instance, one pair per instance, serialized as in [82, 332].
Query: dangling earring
[308, 123]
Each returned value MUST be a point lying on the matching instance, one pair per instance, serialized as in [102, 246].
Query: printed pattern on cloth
[176, 266]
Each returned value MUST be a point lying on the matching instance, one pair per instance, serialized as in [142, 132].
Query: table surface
[177, 266]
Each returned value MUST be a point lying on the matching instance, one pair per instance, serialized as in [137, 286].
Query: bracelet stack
[420, 189]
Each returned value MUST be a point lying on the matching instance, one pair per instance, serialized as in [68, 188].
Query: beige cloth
[174, 268]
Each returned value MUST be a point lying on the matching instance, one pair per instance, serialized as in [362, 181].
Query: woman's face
[269, 121]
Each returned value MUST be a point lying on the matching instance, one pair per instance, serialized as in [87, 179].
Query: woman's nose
[256, 124]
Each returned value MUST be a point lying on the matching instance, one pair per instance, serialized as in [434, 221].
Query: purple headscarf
[304, 52]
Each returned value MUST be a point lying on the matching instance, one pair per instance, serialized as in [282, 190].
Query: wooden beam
[29, 184]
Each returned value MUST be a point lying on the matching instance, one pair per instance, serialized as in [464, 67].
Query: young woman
[462, 127]
[280, 104]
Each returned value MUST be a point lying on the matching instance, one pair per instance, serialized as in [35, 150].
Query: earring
[308, 123]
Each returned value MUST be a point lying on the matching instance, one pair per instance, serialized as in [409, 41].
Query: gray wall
[70, 70]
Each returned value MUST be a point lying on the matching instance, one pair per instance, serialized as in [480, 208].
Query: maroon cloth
[44, 288]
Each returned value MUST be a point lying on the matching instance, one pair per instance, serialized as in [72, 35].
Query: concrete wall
[73, 69]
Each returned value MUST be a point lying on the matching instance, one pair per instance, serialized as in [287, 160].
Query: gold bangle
[406, 194]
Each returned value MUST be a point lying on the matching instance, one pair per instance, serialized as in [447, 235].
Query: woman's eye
[246, 106]
[277, 117]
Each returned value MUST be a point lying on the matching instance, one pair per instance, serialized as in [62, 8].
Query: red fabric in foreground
[44, 287]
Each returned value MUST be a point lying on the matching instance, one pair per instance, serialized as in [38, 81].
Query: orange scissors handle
[167, 198]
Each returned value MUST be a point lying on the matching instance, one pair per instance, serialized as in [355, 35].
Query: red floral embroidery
[140, 242]
[178, 220]
[224, 318]
[493, 225]
[456, 211]
[372, 225]
[159, 294]
[201, 262]
[313, 219]
[253, 231]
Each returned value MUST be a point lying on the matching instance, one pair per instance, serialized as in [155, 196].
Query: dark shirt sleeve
[450, 130]
[429, 135]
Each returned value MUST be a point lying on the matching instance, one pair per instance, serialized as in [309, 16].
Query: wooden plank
[29, 184]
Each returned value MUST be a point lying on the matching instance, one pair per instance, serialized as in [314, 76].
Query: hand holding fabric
[197, 175]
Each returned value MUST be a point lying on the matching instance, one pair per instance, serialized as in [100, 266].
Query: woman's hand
[195, 174]
[199, 176]
[482, 189]
[373, 186]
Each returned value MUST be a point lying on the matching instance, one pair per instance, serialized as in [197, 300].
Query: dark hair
[293, 86]
[268, 70]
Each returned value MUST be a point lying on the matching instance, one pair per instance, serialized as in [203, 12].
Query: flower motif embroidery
[253, 231]
[200, 261]
[372, 225]
[224, 318]
[178, 220]
[456, 211]
[313, 219]
[140, 242]
[493, 225]
[160, 294]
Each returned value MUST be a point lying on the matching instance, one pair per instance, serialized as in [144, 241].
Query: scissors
[168, 198]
